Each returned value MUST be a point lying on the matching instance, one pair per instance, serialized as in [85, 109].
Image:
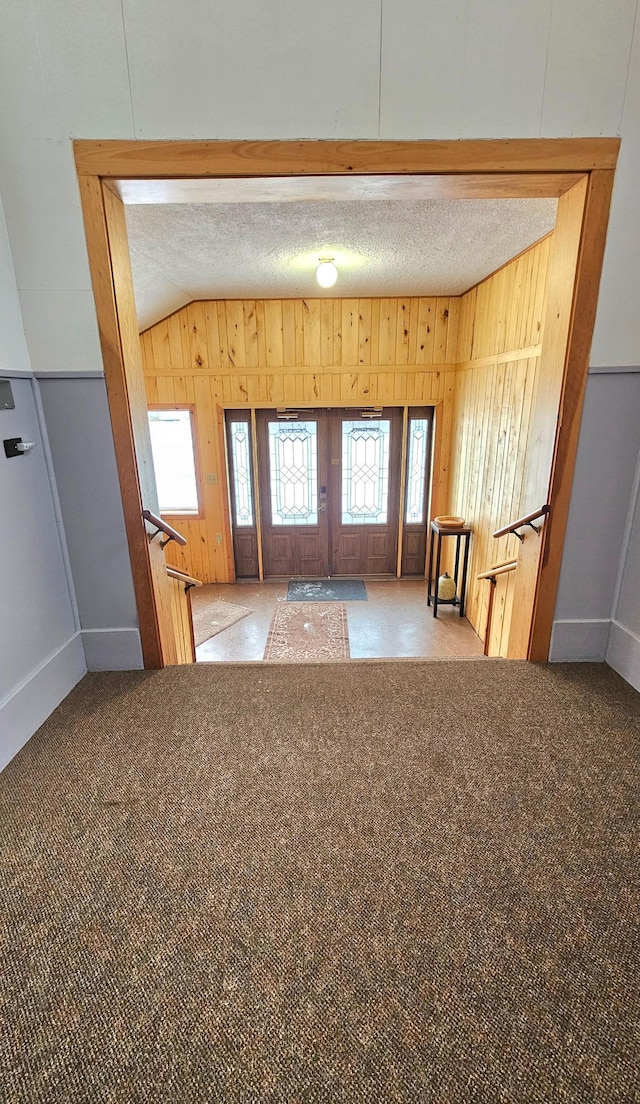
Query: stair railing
[182, 577]
[491, 575]
[522, 522]
[162, 527]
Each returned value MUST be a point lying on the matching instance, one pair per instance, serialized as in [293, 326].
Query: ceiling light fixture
[326, 272]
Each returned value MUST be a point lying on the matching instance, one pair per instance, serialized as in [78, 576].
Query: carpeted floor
[366, 883]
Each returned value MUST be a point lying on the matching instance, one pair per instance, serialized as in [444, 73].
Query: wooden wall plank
[234, 316]
[492, 422]
[349, 328]
[197, 329]
[364, 331]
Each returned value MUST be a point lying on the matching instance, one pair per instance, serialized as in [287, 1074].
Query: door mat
[211, 617]
[308, 632]
[326, 590]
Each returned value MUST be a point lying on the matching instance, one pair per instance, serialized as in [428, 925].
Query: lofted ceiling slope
[382, 246]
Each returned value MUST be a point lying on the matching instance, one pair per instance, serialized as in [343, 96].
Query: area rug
[326, 590]
[307, 632]
[213, 617]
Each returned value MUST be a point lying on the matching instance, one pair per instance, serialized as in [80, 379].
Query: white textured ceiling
[184, 251]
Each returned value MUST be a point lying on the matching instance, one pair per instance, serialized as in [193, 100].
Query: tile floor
[394, 623]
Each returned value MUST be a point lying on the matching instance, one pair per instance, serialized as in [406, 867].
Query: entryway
[394, 622]
[340, 491]
[361, 347]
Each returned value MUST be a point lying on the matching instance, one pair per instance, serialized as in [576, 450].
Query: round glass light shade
[326, 274]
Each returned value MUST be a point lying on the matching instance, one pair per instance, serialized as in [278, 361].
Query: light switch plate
[7, 401]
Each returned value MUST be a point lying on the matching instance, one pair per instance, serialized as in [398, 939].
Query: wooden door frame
[253, 408]
[494, 168]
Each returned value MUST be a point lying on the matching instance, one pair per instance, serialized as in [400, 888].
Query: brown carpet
[367, 882]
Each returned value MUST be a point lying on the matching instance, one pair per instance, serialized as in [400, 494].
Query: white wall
[299, 69]
[623, 650]
[602, 486]
[41, 656]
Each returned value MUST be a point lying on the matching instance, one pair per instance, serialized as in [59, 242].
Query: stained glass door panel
[242, 494]
[416, 491]
[365, 466]
[292, 456]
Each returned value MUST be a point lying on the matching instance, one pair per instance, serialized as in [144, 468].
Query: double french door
[329, 491]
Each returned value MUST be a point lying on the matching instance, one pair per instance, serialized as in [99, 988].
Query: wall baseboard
[579, 641]
[112, 649]
[29, 704]
[623, 653]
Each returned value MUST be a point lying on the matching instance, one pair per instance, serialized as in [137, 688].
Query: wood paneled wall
[499, 346]
[474, 358]
[324, 352]
[182, 622]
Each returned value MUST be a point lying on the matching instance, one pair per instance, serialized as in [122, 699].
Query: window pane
[365, 472]
[241, 456]
[416, 471]
[293, 470]
[173, 461]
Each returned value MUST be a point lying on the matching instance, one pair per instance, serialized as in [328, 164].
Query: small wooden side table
[437, 533]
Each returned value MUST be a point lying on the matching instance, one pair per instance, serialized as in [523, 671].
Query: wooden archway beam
[114, 159]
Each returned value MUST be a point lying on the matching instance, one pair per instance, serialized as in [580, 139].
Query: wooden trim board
[576, 364]
[115, 159]
[284, 189]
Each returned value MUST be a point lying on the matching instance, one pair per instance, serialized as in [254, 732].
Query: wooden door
[293, 477]
[365, 491]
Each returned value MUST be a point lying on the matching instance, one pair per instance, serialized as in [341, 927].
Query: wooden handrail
[527, 520]
[499, 569]
[181, 577]
[162, 527]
